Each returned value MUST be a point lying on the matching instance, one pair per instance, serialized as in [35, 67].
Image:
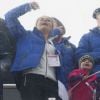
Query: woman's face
[44, 23]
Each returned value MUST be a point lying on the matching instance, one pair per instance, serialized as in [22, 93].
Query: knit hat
[96, 12]
[83, 58]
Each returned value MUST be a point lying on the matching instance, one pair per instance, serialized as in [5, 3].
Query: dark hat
[97, 11]
[86, 57]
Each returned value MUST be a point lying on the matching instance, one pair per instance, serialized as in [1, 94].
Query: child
[81, 86]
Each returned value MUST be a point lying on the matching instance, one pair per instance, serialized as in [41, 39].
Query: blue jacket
[67, 56]
[89, 44]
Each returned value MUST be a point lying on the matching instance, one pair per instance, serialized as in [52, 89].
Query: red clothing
[84, 90]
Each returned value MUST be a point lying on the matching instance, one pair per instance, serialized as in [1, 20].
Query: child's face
[86, 64]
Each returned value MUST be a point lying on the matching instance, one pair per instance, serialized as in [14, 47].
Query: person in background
[37, 64]
[68, 50]
[81, 85]
[89, 44]
[7, 52]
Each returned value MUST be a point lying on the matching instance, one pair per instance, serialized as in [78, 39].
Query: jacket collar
[95, 30]
[38, 32]
[64, 40]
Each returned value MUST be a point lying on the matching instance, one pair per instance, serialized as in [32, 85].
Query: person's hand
[61, 28]
[85, 77]
[34, 5]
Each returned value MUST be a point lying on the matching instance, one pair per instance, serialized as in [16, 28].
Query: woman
[67, 55]
[68, 51]
[37, 60]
